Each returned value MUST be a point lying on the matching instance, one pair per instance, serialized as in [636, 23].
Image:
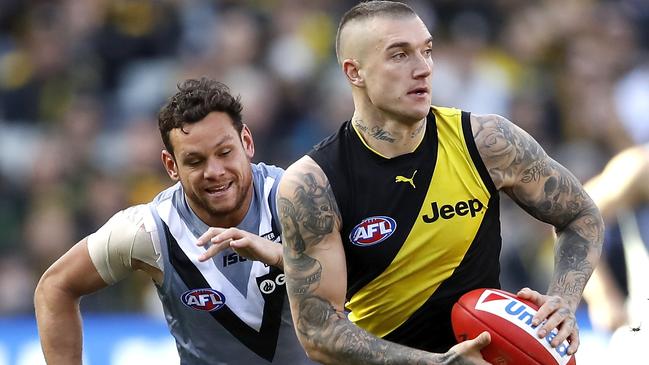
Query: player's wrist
[279, 258]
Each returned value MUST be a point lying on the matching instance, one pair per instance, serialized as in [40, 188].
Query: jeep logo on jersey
[448, 211]
[520, 314]
[206, 299]
[372, 230]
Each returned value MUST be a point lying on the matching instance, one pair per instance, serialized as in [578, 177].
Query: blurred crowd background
[81, 83]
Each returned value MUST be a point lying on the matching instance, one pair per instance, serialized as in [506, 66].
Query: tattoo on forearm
[572, 268]
[375, 132]
[328, 328]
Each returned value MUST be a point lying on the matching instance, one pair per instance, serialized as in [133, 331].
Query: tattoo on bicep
[311, 213]
[305, 271]
[514, 156]
[306, 219]
[504, 149]
[316, 207]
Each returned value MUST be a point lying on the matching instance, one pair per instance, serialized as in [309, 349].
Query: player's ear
[352, 69]
[247, 142]
[170, 165]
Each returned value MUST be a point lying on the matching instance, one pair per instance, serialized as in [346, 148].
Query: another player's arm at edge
[314, 264]
[56, 302]
[628, 173]
[57, 296]
[620, 186]
[549, 192]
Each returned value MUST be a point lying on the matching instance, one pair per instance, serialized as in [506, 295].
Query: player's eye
[399, 56]
[192, 162]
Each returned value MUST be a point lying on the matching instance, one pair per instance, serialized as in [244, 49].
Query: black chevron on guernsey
[264, 342]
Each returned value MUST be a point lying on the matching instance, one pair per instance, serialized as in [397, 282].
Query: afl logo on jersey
[206, 299]
[372, 230]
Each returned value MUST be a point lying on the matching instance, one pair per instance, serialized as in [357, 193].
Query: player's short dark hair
[194, 100]
[370, 9]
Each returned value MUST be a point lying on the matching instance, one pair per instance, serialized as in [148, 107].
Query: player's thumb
[482, 340]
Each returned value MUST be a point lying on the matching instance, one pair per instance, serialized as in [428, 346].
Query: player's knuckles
[572, 326]
[554, 321]
[212, 231]
[234, 232]
[554, 303]
[563, 313]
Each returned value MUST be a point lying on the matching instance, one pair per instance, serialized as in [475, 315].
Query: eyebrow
[222, 141]
[406, 44]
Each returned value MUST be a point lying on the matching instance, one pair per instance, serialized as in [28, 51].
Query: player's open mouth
[420, 91]
[219, 189]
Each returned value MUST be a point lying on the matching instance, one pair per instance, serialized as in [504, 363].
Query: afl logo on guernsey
[206, 299]
[372, 230]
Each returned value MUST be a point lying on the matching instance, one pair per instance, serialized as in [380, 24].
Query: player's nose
[213, 169]
[423, 67]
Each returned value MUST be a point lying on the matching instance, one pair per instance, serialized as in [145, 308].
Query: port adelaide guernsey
[418, 230]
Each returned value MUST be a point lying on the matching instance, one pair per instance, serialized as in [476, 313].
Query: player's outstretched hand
[557, 313]
[244, 243]
[468, 352]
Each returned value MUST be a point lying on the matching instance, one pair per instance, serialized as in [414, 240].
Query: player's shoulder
[128, 222]
[303, 170]
[306, 164]
[135, 213]
[265, 170]
[488, 120]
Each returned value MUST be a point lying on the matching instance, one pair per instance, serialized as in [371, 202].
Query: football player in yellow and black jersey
[390, 220]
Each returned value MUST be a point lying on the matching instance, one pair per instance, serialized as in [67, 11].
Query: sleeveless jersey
[228, 310]
[418, 230]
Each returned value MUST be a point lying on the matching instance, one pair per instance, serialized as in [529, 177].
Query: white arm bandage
[123, 238]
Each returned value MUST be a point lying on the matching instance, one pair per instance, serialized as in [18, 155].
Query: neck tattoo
[418, 130]
[375, 132]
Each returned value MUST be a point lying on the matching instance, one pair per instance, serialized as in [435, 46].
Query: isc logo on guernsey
[206, 299]
[372, 230]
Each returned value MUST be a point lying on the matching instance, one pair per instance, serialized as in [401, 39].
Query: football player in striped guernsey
[211, 244]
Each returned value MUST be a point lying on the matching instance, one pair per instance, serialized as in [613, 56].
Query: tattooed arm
[549, 192]
[314, 264]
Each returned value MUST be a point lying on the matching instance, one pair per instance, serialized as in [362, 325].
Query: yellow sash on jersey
[432, 250]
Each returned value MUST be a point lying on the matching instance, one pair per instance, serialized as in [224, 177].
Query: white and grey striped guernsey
[228, 310]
